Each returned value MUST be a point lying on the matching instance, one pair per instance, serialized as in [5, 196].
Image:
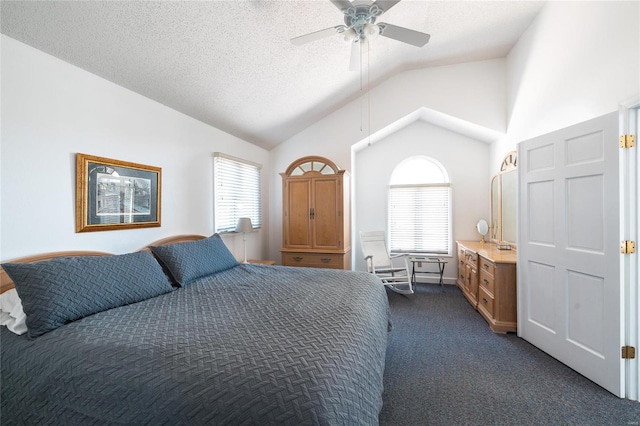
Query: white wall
[473, 92]
[577, 61]
[464, 159]
[52, 110]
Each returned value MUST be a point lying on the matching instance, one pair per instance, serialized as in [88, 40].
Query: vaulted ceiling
[231, 63]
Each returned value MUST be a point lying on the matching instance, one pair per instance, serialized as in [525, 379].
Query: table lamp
[244, 225]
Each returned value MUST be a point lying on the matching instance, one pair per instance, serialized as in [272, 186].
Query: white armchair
[380, 262]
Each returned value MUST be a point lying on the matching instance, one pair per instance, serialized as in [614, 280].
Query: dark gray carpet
[445, 367]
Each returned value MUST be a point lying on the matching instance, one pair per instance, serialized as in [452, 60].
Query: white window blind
[237, 192]
[419, 218]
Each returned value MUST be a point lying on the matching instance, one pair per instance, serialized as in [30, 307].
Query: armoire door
[326, 215]
[298, 213]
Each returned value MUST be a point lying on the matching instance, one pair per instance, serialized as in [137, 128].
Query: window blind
[419, 218]
[237, 192]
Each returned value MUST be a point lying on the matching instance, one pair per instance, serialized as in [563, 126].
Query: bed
[244, 345]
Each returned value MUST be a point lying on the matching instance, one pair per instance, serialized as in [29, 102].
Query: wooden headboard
[174, 240]
[7, 284]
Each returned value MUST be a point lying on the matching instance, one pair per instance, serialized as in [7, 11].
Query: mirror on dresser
[503, 202]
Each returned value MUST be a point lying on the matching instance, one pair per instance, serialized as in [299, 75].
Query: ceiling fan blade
[316, 35]
[354, 63]
[404, 35]
[343, 5]
[386, 4]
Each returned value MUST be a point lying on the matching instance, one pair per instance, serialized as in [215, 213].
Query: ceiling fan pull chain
[369, 89]
[361, 89]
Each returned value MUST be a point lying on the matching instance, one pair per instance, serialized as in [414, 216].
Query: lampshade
[244, 225]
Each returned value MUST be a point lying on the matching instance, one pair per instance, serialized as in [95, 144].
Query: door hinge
[628, 352]
[627, 141]
[628, 247]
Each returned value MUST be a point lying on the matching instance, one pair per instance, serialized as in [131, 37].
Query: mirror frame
[509, 164]
[483, 229]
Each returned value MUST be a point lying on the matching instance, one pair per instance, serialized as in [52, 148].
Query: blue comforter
[253, 345]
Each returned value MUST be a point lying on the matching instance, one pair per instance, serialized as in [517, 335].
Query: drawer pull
[298, 258]
[486, 266]
[484, 299]
[326, 259]
[485, 281]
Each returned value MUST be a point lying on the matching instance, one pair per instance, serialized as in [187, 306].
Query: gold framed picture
[113, 194]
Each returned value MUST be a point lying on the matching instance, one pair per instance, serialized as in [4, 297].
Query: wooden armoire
[316, 215]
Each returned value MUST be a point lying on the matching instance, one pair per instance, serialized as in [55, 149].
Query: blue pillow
[58, 291]
[188, 261]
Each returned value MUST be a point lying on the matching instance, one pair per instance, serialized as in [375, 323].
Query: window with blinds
[236, 192]
[420, 208]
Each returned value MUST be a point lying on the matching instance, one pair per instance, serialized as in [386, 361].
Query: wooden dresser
[316, 215]
[487, 278]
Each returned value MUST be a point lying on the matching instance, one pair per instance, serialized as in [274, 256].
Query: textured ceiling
[231, 64]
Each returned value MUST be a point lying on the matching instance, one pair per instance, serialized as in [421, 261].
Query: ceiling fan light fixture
[349, 36]
[371, 31]
[360, 17]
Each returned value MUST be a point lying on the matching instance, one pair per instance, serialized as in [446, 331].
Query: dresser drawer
[461, 260]
[461, 276]
[486, 301]
[471, 257]
[487, 265]
[314, 260]
[487, 281]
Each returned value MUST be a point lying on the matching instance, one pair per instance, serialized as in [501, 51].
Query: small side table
[261, 262]
[430, 260]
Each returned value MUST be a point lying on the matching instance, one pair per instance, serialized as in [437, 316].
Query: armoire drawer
[314, 260]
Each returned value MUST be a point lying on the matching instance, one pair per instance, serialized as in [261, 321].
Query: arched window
[420, 207]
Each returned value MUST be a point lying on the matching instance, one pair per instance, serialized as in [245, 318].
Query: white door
[569, 248]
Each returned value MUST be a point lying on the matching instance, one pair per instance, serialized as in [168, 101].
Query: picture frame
[113, 194]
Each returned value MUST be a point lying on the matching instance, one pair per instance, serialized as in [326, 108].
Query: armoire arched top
[312, 164]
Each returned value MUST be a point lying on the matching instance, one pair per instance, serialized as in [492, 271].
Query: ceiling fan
[360, 26]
